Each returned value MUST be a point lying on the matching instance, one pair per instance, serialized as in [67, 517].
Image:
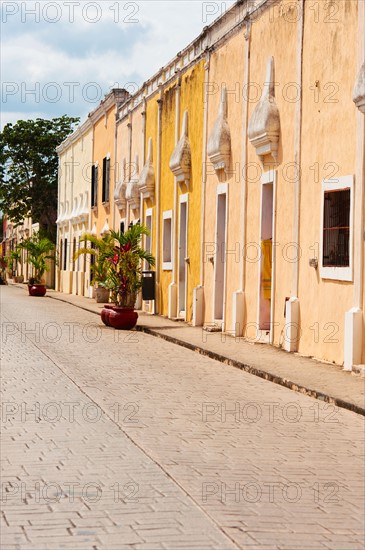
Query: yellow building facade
[103, 120]
[159, 158]
[244, 155]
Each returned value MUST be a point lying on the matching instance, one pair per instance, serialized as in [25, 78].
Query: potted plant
[100, 249]
[15, 256]
[40, 249]
[124, 278]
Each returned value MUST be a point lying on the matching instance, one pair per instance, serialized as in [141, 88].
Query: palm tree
[101, 248]
[39, 250]
[125, 265]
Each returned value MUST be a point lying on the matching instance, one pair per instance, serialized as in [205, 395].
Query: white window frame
[183, 199]
[167, 215]
[338, 273]
[222, 189]
[148, 214]
[269, 177]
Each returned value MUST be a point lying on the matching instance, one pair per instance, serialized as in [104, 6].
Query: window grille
[65, 256]
[106, 179]
[94, 185]
[336, 228]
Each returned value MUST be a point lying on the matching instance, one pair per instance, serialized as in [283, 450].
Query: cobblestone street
[114, 440]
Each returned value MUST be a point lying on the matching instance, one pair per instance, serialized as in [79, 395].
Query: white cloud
[12, 117]
[35, 54]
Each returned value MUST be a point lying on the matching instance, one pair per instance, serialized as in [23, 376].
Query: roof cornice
[210, 38]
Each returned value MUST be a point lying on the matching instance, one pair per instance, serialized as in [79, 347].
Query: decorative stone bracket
[82, 215]
[73, 217]
[180, 162]
[120, 190]
[61, 214]
[64, 216]
[80, 211]
[105, 229]
[147, 178]
[359, 90]
[219, 143]
[132, 193]
[264, 126]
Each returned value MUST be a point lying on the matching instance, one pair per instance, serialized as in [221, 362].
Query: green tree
[28, 169]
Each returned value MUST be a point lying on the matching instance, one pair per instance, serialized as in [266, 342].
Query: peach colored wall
[230, 74]
[272, 35]
[122, 153]
[151, 132]
[104, 139]
[329, 145]
[192, 100]
[136, 120]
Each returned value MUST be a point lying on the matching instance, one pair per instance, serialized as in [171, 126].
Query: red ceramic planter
[105, 313]
[37, 290]
[123, 318]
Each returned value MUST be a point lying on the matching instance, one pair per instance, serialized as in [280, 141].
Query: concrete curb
[257, 372]
[238, 364]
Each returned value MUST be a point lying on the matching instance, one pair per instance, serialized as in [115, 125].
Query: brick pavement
[324, 381]
[71, 477]
[220, 458]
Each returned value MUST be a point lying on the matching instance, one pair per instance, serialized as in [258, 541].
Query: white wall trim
[167, 215]
[222, 189]
[149, 213]
[183, 199]
[267, 178]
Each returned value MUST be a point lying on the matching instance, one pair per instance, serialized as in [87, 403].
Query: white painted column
[158, 214]
[58, 267]
[129, 125]
[238, 316]
[172, 292]
[143, 156]
[115, 179]
[198, 292]
[354, 318]
[139, 302]
[292, 329]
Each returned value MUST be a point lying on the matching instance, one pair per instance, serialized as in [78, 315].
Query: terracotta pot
[37, 290]
[105, 314]
[123, 318]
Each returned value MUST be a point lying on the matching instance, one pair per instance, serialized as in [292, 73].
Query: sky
[62, 57]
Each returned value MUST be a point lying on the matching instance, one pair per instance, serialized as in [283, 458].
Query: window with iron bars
[106, 180]
[336, 228]
[94, 185]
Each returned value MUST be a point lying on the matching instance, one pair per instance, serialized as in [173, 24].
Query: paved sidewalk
[216, 458]
[323, 381]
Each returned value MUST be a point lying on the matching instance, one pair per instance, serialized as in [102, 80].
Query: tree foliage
[28, 169]
[101, 248]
